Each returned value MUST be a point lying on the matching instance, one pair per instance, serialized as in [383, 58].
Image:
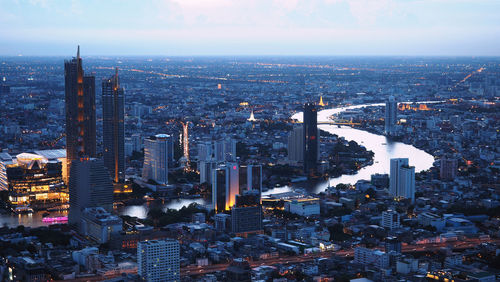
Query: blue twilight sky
[250, 27]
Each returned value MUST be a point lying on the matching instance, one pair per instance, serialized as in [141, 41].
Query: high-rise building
[231, 179]
[32, 180]
[391, 112]
[80, 111]
[217, 150]
[448, 170]
[296, 145]
[89, 186]
[206, 169]
[246, 214]
[402, 179]
[159, 260]
[250, 178]
[156, 158]
[311, 138]
[113, 135]
[394, 174]
[406, 187]
[225, 186]
[390, 219]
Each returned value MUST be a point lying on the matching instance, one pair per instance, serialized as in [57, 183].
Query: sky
[250, 27]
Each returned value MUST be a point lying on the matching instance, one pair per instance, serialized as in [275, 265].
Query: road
[193, 270]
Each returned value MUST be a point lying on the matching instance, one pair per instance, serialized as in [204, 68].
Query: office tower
[206, 169]
[246, 214]
[391, 112]
[159, 260]
[243, 179]
[225, 186]
[448, 170]
[32, 180]
[217, 150]
[394, 174]
[89, 186]
[156, 156]
[402, 179]
[407, 182]
[311, 138]
[113, 128]
[390, 219]
[250, 178]
[254, 178]
[80, 111]
[296, 145]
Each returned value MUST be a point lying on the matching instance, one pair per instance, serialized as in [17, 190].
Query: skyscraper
[159, 260]
[80, 111]
[402, 179]
[113, 127]
[391, 112]
[156, 158]
[225, 186]
[89, 186]
[217, 150]
[311, 138]
[296, 145]
[407, 182]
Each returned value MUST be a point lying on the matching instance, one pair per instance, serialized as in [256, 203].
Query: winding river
[383, 148]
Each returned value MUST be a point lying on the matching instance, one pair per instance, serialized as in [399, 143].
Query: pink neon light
[54, 219]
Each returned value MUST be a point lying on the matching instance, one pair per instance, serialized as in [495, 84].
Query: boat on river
[23, 210]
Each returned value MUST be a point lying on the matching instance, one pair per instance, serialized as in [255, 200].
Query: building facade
[402, 179]
[296, 145]
[391, 115]
[100, 225]
[159, 260]
[230, 180]
[448, 170]
[113, 128]
[390, 219]
[80, 111]
[246, 214]
[33, 181]
[311, 138]
[89, 186]
[156, 158]
[371, 257]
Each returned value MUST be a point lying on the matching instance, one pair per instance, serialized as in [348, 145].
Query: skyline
[221, 27]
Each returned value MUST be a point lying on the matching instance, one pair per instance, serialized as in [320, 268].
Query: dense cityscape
[249, 168]
[260, 140]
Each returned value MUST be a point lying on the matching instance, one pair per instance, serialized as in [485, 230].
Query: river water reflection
[384, 150]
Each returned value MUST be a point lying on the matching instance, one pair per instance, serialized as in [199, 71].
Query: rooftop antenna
[78, 52]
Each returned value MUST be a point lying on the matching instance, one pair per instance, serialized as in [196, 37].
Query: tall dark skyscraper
[80, 111]
[89, 186]
[311, 138]
[113, 127]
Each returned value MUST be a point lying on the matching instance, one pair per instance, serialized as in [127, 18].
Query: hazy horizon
[183, 28]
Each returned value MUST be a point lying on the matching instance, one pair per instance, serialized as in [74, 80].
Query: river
[383, 148]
